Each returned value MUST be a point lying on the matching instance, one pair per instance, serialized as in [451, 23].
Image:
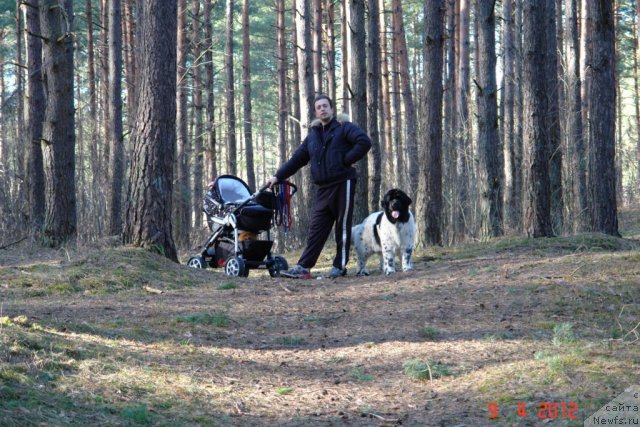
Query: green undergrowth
[582, 243]
[50, 377]
[102, 272]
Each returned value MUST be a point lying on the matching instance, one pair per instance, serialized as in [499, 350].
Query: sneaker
[297, 272]
[337, 272]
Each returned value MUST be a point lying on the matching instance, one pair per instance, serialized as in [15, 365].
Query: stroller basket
[252, 250]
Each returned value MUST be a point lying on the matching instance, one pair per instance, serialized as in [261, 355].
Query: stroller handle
[266, 185]
[244, 202]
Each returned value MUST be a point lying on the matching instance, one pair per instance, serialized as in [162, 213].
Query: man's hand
[272, 181]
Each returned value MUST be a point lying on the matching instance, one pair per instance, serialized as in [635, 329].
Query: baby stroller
[236, 218]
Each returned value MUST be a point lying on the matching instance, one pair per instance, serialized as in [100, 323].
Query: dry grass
[507, 321]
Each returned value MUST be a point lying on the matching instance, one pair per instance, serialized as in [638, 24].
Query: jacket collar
[339, 119]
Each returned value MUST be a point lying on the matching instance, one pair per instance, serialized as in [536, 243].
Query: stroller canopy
[229, 189]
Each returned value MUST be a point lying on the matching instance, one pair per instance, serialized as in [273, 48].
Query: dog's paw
[363, 272]
[407, 268]
[389, 271]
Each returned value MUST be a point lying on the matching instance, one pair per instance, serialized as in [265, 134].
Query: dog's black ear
[385, 201]
[407, 199]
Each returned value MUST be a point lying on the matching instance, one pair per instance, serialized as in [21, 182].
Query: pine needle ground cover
[117, 336]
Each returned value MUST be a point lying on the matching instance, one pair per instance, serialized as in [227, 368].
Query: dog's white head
[395, 204]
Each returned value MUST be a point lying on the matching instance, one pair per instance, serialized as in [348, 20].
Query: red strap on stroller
[282, 214]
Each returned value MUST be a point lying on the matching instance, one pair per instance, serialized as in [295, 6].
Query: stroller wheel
[196, 262]
[279, 264]
[235, 267]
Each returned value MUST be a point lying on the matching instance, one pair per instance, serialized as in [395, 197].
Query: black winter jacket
[331, 150]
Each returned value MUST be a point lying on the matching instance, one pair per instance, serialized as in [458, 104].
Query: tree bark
[601, 77]
[346, 53]
[232, 163]
[317, 45]
[211, 169]
[553, 120]
[373, 90]
[512, 193]
[58, 133]
[182, 193]
[198, 111]
[537, 205]
[462, 207]
[246, 95]
[411, 142]
[489, 150]
[115, 120]
[429, 195]
[385, 97]
[358, 84]
[35, 116]
[148, 211]
[330, 48]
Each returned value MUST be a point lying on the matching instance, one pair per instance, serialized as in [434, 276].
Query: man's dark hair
[322, 96]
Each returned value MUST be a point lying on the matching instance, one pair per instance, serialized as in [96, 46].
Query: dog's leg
[363, 250]
[363, 255]
[407, 265]
[388, 256]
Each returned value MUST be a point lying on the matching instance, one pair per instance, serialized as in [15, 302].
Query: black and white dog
[386, 232]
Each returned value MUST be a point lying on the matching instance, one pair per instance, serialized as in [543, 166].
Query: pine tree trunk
[91, 67]
[448, 151]
[411, 142]
[58, 133]
[211, 169]
[602, 107]
[577, 153]
[553, 120]
[512, 216]
[148, 211]
[358, 84]
[232, 166]
[586, 31]
[35, 116]
[104, 96]
[537, 205]
[462, 206]
[306, 96]
[115, 123]
[182, 194]
[129, 60]
[385, 98]
[330, 48]
[490, 169]
[429, 195]
[246, 95]
[373, 91]
[518, 179]
[317, 45]
[346, 53]
[636, 89]
[398, 160]
[198, 111]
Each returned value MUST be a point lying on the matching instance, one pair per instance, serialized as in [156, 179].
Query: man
[332, 147]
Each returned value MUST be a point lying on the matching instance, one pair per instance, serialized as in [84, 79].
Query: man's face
[323, 110]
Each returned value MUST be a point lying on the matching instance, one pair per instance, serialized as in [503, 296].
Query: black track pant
[333, 204]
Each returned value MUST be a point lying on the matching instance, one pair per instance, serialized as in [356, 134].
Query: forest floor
[483, 329]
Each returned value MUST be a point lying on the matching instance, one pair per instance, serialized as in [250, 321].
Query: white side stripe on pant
[344, 226]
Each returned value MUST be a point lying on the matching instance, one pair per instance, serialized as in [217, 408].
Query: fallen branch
[285, 288]
[387, 420]
[633, 331]
[8, 245]
[153, 290]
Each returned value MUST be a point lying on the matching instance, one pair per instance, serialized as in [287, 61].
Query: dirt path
[519, 325]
